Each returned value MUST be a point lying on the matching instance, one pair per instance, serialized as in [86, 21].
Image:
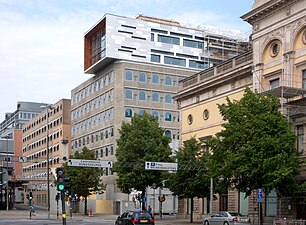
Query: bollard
[90, 212]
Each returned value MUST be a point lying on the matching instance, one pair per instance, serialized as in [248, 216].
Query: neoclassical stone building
[279, 60]
[277, 65]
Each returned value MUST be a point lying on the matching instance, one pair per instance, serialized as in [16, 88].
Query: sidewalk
[42, 214]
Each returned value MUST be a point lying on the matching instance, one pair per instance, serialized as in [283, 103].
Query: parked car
[227, 218]
[135, 217]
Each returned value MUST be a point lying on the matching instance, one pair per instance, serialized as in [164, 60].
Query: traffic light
[57, 197]
[31, 195]
[62, 181]
[70, 194]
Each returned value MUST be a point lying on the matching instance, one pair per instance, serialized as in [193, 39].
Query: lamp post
[211, 195]
[154, 187]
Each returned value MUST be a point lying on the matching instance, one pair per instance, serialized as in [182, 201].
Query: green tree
[255, 148]
[84, 180]
[191, 179]
[140, 141]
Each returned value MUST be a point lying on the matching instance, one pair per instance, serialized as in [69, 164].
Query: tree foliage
[255, 147]
[140, 141]
[84, 180]
[192, 180]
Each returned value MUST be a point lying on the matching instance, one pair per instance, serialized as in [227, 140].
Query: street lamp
[48, 163]
[211, 195]
[154, 187]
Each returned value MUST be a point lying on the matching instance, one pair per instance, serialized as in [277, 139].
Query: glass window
[193, 44]
[128, 113]
[300, 138]
[174, 61]
[152, 37]
[169, 40]
[155, 114]
[106, 151]
[155, 97]
[128, 94]
[128, 75]
[142, 95]
[142, 77]
[168, 116]
[168, 80]
[112, 76]
[101, 152]
[155, 79]
[112, 150]
[168, 133]
[271, 207]
[140, 112]
[197, 64]
[155, 58]
[274, 83]
[304, 79]
[168, 98]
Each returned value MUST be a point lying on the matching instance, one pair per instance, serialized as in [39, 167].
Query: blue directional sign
[161, 166]
[259, 195]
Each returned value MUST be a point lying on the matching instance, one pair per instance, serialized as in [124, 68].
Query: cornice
[266, 10]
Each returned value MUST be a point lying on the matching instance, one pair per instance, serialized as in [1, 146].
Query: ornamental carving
[298, 25]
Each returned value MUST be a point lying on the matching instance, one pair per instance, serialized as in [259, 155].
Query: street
[21, 216]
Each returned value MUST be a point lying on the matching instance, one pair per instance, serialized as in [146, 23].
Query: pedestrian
[150, 210]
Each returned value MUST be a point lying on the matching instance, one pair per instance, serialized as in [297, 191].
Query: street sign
[160, 166]
[259, 196]
[90, 163]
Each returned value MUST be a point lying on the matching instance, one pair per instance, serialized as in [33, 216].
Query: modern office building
[45, 141]
[137, 64]
[11, 128]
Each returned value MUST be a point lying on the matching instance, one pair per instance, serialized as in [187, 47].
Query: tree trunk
[191, 210]
[85, 212]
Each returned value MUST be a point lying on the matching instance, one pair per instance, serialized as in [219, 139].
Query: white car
[227, 218]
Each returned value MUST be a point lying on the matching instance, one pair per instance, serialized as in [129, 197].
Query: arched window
[128, 113]
[168, 116]
[128, 94]
[101, 152]
[140, 112]
[142, 95]
[142, 77]
[168, 80]
[155, 79]
[168, 133]
[168, 98]
[128, 75]
[155, 97]
[155, 114]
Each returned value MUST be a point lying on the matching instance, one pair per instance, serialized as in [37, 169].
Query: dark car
[135, 217]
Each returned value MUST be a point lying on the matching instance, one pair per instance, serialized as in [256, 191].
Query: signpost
[90, 163]
[160, 166]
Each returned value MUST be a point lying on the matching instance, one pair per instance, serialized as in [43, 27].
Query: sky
[41, 41]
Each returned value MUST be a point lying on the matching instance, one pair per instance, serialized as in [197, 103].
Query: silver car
[227, 218]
